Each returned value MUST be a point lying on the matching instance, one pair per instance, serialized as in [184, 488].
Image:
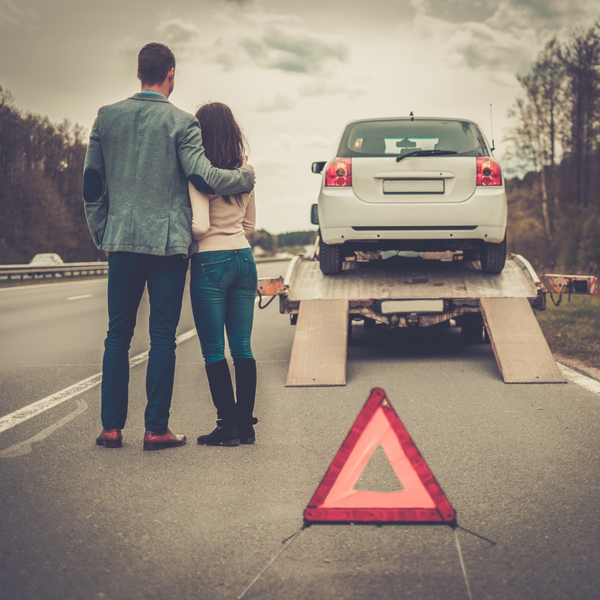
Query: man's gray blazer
[141, 154]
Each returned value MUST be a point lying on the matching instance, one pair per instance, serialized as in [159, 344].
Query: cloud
[554, 14]
[522, 14]
[181, 36]
[17, 17]
[477, 46]
[280, 102]
[291, 48]
[278, 42]
[459, 11]
[498, 37]
[176, 32]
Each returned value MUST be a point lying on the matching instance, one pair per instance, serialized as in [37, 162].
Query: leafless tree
[534, 135]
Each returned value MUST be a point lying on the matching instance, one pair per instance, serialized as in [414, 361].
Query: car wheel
[493, 256]
[330, 258]
[471, 328]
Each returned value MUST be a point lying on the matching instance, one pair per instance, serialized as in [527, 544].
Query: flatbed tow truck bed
[412, 292]
[369, 286]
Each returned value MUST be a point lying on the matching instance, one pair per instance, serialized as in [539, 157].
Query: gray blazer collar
[149, 97]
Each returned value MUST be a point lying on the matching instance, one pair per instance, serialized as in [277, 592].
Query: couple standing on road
[163, 188]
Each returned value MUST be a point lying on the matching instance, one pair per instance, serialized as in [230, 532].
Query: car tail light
[488, 171]
[339, 173]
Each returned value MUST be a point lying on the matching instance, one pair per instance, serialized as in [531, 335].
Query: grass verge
[573, 328]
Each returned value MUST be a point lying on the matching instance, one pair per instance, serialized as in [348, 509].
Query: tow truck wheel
[471, 328]
[330, 258]
[369, 323]
[493, 256]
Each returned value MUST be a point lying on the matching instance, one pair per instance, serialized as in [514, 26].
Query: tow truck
[424, 290]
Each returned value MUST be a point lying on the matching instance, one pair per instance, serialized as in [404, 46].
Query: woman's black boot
[221, 390]
[245, 387]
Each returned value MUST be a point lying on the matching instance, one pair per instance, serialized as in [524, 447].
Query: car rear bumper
[341, 235]
[344, 218]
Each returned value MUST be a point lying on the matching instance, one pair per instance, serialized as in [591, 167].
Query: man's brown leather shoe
[156, 441]
[110, 438]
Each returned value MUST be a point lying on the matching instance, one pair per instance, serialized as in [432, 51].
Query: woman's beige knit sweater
[217, 225]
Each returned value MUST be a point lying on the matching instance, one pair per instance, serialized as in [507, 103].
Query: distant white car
[420, 184]
[46, 259]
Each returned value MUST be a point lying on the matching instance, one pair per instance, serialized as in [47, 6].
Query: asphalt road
[519, 463]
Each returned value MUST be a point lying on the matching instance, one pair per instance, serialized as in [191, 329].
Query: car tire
[331, 258]
[493, 256]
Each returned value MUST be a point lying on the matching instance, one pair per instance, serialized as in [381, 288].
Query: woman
[223, 283]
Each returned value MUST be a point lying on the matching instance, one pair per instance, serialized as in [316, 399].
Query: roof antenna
[412, 117]
[492, 127]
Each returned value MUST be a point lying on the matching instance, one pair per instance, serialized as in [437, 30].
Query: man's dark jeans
[128, 274]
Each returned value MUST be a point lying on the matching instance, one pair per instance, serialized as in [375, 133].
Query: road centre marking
[583, 380]
[32, 410]
[80, 297]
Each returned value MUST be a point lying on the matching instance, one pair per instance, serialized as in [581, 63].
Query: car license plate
[409, 306]
[413, 186]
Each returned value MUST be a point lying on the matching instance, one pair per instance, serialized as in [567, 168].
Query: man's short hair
[154, 63]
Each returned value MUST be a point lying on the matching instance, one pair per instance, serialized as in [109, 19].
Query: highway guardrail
[10, 272]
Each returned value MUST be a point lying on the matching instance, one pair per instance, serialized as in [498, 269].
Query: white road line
[184, 337]
[32, 410]
[587, 382]
[27, 412]
[25, 447]
[80, 297]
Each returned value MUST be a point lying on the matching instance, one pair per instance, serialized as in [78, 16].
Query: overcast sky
[293, 72]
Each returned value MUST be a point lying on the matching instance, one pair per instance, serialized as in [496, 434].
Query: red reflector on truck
[488, 171]
[339, 173]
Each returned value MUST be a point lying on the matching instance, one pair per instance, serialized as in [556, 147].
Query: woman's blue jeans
[128, 275]
[223, 290]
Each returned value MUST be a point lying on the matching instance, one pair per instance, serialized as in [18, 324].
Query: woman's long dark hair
[223, 140]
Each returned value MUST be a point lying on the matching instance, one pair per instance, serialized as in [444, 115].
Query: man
[141, 155]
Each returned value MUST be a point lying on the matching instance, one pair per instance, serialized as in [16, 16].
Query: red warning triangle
[421, 501]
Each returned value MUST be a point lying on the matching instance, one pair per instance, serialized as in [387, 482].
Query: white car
[49, 259]
[414, 183]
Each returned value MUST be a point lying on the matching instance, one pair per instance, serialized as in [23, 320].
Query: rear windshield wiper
[425, 153]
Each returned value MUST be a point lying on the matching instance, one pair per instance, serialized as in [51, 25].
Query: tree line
[554, 139]
[41, 169]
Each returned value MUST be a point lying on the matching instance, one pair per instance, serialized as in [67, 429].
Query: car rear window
[395, 137]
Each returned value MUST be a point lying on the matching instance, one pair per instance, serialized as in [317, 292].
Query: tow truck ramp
[415, 292]
[320, 344]
[520, 348]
